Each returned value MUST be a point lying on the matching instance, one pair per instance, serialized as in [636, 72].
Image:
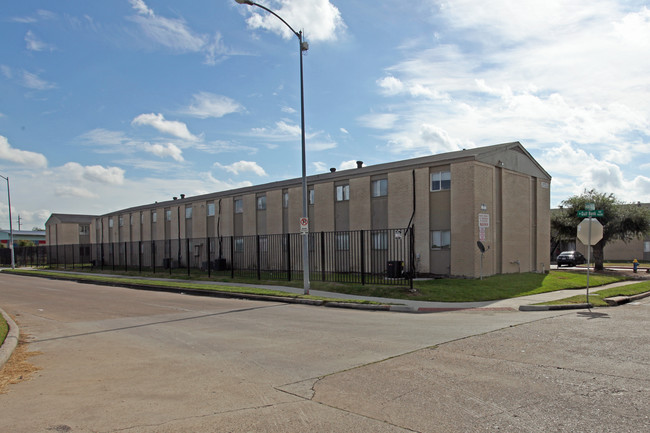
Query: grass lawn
[4, 328]
[439, 290]
[597, 298]
[488, 289]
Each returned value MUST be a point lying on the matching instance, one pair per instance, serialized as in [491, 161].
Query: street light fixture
[11, 230]
[303, 46]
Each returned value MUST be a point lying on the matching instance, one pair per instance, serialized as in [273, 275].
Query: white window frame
[239, 205]
[343, 193]
[188, 212]
[440, 239]
[379, 188]
[261, 202]
[441, 181]
[211, 209]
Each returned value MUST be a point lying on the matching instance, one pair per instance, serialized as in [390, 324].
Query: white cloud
[322, 18]
[6, 71]
[35, 44]
[319, 166]
[379, 120]
[346, 165]
[207, 104]
[33, 81]
[74, 192]
[166, 149]
[22, 157]
[93, 173]
[175, 34]
[243, 167]
[172, 127]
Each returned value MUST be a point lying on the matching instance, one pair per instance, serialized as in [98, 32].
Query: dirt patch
[18, 368]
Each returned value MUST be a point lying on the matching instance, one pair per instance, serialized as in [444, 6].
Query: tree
[621, 221]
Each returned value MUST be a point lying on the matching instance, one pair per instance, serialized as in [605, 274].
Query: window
[84, 229]
[380, 241]
[646, 247]
[154, 216]
[440, 181]
[168, 214]
[261, 202]
[188, 212]
[379, 188]
[440, 239]
[239, 205]
[239, 245]
[110, 222]
[141, 218]
[343, 193]
[342, 241]
[285, 199]
[264, 244]
[312, 198]
[121, 221]
[210, 209]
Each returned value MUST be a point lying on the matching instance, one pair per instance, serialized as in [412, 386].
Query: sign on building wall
[483, 224]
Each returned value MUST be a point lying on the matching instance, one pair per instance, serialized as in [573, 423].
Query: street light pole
[303, 46]
[11, 230]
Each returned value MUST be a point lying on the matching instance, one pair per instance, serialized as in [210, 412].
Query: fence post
[153, 256]
[288, 238]
[412, 258]
[258, 257]
[139, 257]
[187, 253]
[363, 257]
[207, 246]
[232, 256]
[126, 258]
[322, 255]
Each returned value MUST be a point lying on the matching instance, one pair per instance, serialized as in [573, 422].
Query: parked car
[570, 258]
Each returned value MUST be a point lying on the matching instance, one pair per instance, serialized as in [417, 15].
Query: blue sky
[112, 104]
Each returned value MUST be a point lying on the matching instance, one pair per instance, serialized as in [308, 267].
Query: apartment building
[496, 195]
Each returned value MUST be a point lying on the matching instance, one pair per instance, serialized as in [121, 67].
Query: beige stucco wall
[360, 203]
[463, 229]
[400, 198]
[517, 223]
[323, 208]
[421, 223]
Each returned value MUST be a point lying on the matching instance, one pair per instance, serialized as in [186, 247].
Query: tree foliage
[621, 221]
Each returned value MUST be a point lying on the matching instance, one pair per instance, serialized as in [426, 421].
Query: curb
[620, 300]
[554, 307]
[11, 341]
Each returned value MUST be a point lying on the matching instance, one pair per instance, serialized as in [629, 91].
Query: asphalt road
[116, 359]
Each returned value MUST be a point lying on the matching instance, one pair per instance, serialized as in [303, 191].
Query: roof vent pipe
[359, 164]
[332, 170]
[175, 198]
[182, 196]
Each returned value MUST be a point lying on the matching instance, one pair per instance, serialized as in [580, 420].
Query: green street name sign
[590, 213]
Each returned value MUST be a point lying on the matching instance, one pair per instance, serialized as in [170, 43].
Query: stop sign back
[596, 231]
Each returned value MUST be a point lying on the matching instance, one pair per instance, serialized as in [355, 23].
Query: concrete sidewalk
[523, 303]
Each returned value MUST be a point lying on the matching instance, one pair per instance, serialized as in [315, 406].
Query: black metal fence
[364, 256]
